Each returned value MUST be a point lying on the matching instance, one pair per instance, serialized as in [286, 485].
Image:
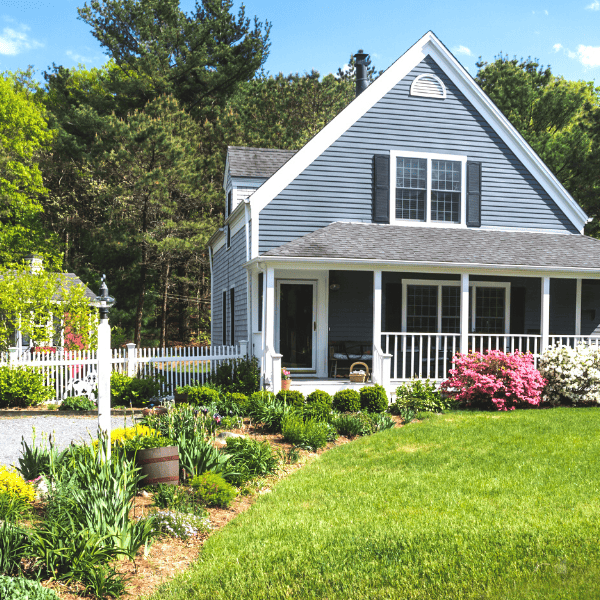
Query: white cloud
[546, 12]
[14, 41]
[557, 47]
[80, 58]
[595, 5]
[589, 56]
[462, 50]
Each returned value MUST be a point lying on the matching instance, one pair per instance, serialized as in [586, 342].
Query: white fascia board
[225, 172]
[299, 263]
[429, 44]
[235, 221]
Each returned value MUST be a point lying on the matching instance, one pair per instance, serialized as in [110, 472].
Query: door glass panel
[450, 309]
[296, 325]
[489, 310]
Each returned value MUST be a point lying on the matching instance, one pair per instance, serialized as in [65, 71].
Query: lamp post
[103, 303]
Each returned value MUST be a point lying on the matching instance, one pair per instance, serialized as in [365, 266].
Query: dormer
[246, 169]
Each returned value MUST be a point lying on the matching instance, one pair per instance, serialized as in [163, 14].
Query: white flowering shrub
[573, 374]
[180, 525]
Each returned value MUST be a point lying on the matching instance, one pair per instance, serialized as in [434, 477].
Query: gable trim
[430, 45]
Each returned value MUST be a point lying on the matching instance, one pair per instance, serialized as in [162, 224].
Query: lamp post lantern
[103, 303]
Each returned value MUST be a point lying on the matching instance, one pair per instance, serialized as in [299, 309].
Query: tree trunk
[143, 274]
[163, 315]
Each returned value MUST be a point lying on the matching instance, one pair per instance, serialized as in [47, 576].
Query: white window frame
[473, 285]
[429, 156]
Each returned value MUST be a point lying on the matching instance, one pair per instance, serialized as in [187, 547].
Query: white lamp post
[103, 303]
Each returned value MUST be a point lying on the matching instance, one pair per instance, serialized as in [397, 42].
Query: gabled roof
[373, 243]
[256, 162]
[430, 45]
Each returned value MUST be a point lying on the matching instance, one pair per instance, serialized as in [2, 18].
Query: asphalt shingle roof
[389, 243]
[256, 162]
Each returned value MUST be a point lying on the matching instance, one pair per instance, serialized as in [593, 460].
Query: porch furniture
[347, 352]
[359, 377]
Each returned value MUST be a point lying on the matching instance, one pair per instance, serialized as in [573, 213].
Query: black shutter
[232, 312]
[381, 188]
[229, 199]
[473, 194]
[224, 319]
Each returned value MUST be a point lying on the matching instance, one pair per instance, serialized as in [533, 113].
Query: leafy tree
[557, 118]
[23, 135]
[44, 308]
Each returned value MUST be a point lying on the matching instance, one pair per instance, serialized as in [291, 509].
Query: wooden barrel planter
[159, 465]
[180, 398]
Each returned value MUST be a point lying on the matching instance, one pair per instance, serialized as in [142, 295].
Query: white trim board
[428, 45]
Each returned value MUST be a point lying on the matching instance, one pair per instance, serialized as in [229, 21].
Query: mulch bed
[168, 556]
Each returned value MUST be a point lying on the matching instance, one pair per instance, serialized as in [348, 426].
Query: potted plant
[156, 456]
[286, 381]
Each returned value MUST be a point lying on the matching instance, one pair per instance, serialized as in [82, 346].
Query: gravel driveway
[64, 430]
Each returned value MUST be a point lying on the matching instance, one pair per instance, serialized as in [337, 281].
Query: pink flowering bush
[495, 380]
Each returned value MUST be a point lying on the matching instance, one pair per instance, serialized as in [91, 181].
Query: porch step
[331, 386]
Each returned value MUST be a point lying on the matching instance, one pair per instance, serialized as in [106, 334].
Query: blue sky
[322, 35]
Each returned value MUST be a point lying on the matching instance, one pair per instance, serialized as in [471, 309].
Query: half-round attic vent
[429, 86]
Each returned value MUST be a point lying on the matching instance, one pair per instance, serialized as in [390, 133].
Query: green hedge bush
[77, 403]
[373, 398]
[21, 387]
[212, 490]
[292, 398]
[202, 395]
[346, 401]
[310, 435]
[134, 391]
[419, 396]
[318, 405]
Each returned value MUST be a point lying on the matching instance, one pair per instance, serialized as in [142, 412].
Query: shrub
[248, 458]
[77, 403]
[346, 401]
[270, 414]
[212, 490]
[373, 398]
[135, 391]
[352, 425]
[240, 376]
[12, 483]
[292, 398]
[12, 588]
[21, 387]
[310, 435]
[419, 395]
[318, 405]
[202, 395]
[572, 374]
[495, 380]
[258, 399]
[240, 401]
[178, 524]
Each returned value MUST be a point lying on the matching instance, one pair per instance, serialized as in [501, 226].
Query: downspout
[261, 268]
[249, 319]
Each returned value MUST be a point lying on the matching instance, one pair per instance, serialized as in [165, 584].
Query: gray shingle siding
[228, 272]
[338, 184]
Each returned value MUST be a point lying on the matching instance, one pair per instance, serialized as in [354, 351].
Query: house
[416, 224]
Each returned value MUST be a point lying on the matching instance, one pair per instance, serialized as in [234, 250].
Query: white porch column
[578, 306]
[545, 317]
[464, 313]
[377, 300]
[269, 323]
[276, 370]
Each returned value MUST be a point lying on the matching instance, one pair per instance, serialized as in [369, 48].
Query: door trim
[314, 283]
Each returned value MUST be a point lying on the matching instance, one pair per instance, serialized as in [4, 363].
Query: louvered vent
[428, 86]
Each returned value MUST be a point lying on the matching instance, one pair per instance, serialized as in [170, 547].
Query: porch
[409, 324]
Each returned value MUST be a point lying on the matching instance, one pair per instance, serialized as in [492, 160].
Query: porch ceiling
[445, 245]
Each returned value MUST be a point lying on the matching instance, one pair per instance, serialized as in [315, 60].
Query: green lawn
[464, 505]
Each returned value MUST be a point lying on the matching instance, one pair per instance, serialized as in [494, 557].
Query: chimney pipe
[362, 81]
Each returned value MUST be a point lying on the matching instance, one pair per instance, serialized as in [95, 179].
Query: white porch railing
[480, 342]
[381, 368]
[574, 340]
[420, 355]
[74, 373]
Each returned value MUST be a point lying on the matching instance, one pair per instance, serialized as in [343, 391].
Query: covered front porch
[317, 320]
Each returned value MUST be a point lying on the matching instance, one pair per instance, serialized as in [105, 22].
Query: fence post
[131, 360]
[12, 356]
[386, 372]
[243, 348]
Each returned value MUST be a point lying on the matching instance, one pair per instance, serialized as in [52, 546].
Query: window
[434, 306]
[224, 318]
[229, 202]
[232, 312]
[227, 237]
[428, 188]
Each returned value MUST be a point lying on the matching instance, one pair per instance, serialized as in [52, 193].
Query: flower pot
[159, 465]
[180, 398]
[285, 384]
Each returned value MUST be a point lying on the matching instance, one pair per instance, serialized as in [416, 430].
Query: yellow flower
[13, 483]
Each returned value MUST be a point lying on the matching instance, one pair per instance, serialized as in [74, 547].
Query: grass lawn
[464, 505]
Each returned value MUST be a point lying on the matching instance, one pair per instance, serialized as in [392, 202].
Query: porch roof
[444, 245]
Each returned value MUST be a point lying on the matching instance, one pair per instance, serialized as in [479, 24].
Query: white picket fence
[74, 373]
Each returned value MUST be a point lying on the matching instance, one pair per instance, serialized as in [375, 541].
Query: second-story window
[428, 188]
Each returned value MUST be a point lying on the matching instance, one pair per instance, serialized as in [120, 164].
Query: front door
[297, 326]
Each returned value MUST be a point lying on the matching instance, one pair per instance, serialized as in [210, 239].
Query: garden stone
[229, 434]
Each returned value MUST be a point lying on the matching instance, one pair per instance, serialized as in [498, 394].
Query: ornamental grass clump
[495, 380]
[572, 374]
[211, 489]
